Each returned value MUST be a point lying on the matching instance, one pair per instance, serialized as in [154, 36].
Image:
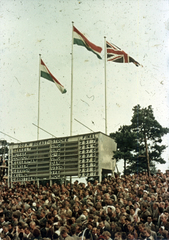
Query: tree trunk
[124, 166]
[147, 155]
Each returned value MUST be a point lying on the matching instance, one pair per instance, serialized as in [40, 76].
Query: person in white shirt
[137, 208]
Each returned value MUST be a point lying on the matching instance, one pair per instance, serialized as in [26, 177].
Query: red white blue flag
[115, 54]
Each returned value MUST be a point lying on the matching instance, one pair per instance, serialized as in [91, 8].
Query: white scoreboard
[83, 155]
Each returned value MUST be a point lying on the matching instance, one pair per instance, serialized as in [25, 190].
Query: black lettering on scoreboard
[81, 155]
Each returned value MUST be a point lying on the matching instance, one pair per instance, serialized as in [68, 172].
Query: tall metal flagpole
[105, 78]
[38, 98]
[71, 106]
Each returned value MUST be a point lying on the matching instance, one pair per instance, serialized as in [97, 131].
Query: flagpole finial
[72, 22]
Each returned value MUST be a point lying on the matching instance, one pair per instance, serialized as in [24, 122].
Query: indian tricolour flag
[80, 39]
[45, 73]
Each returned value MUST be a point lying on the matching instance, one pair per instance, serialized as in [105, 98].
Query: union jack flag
[115, 54]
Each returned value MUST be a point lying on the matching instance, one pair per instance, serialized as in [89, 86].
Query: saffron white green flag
[80, 39]
[45, 73]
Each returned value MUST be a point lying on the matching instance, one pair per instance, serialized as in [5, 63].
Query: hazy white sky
[32, 27]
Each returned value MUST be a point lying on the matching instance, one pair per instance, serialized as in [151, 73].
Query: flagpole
[38, 98]
[71, 106]
[105, 79]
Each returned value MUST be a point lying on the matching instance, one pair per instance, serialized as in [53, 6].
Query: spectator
[94, 233]
[131, 236]
[149, 223]
[155, 213]
[160, 212]
[28, 234]
[132, 230]
[164, 222]
[132, 213]
[36, 234]
[64, 235]
[147, 234]
[144, 213]
[118, 236]
[5, 231]
[25, 208]
[103, 227]
[122, 224]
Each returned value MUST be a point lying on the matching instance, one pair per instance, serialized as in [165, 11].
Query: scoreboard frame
[85, 155]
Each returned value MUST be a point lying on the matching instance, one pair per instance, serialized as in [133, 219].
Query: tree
[126, 141]
[3, 158]
[3, 147]
[141, 144]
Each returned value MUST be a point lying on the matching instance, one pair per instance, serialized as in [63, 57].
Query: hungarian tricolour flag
[80, 39]
[115, 54]
[45, 73]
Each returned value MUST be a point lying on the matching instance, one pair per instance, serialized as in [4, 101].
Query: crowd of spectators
[122, 207]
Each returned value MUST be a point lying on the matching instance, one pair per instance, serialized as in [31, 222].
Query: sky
[32, 27]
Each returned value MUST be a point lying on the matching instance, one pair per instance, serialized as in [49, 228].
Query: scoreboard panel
[56, 158]
[88, 156]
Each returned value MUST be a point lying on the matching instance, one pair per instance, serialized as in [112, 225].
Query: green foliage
[3, 147]
[143, 122]
[125, 140]
[133, 140]
[3, 150]
[139, 165]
